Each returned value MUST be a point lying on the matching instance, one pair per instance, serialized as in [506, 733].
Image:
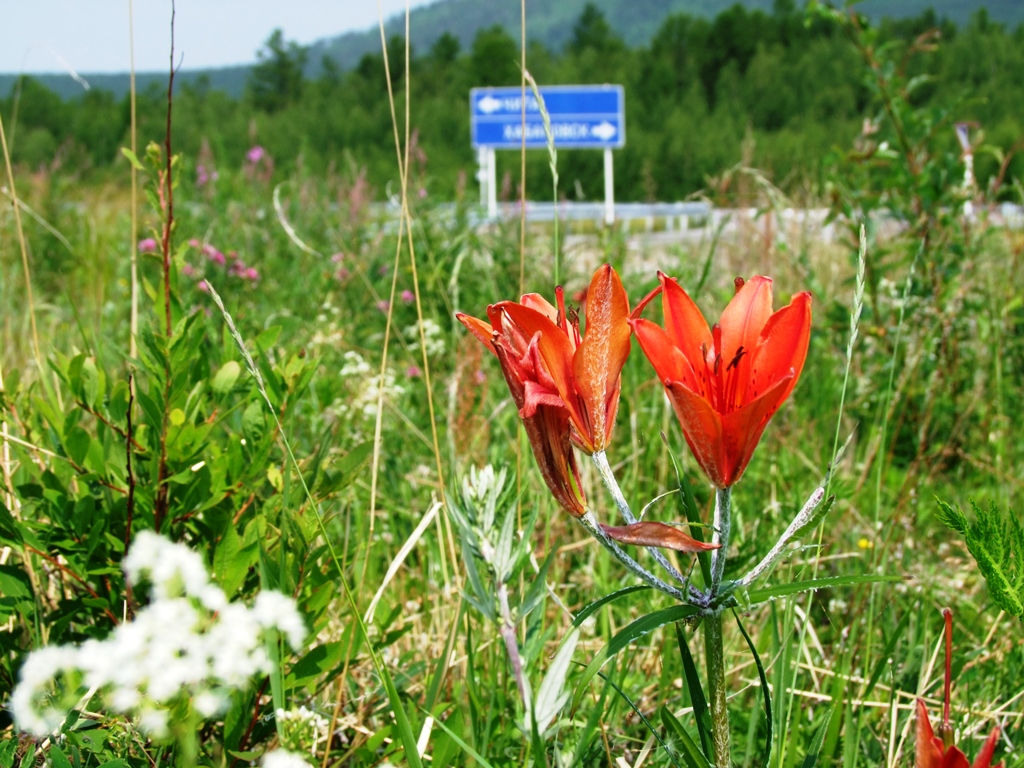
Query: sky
[91, 36]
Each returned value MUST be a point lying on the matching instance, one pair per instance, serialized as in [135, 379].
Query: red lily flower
[726, 382]
[931, 751]
[547, 425]
[577, 372]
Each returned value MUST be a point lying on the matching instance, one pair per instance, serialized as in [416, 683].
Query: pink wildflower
[252, 274]
[342, 275]
[203, 286]
[408, 296]
[413, 372]
[255, 154]
[147, 246]
[338, 258]
[384, 305]
[188, 270]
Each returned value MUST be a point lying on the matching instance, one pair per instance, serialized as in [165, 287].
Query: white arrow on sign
[604, 131]
[488, 104]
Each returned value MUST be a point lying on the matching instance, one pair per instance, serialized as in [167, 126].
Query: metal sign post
[581, 117]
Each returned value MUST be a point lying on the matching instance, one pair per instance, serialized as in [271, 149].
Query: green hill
[635, 21]
[548, 21]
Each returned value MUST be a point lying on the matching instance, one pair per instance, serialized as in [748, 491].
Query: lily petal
[538, 303]
[684, 322]
[478, 328]
[782, 346]
[742, 322]
[984, 758]
[668, 360]
[598, 362]
[927, 749]
[743, 428]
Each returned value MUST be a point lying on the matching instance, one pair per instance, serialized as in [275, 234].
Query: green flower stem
[723, 521]
[588, 521]
[604, 469]
[714, 653]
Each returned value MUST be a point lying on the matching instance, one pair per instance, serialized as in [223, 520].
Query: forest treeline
[782, 91]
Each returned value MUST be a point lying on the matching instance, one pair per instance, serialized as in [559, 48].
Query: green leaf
[133, 159]
[231, 562]
[684, 744]
[951, 518]
[588, 610]
[14, 582]
[638, 628]
[765, 691]
[538, 589]
[795, 587]
[811, 759]
[997, 548]
[226, 377]
[76, 443]
[57, 758]
[458, 740]
[700, 705]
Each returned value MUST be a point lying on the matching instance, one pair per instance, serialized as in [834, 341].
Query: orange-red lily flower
[579, 372]
[930, 751]
[547, 425]
[726, 382]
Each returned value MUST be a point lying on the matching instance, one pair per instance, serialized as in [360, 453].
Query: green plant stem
[507, 628]
[723, 521]
[600, 459]
[714, 653]
[588, 521]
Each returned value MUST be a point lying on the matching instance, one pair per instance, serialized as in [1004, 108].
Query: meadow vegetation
[301, 408]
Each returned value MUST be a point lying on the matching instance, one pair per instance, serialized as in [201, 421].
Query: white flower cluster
[433, 337]
[282, 758]
[188, 641]
[365, 388]
[301, 729]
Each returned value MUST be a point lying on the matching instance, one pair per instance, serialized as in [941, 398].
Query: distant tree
[495, 57]
[445, 49]
[593, 32]
[277, 78]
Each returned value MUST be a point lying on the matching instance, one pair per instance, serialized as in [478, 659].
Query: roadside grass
[934, 431]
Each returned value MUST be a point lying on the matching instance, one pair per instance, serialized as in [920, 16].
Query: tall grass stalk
[858, 309]
[24, 251]
[552, 164]
[444, 526]
[133, 250]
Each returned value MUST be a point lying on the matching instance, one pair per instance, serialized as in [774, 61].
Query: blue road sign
[582, 117]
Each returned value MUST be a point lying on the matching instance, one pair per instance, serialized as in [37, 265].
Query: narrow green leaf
[642, 717]
[588, 610]
[458, 740]
[638, 628]
[765, 690]
[133, 159]
[700, 704]
[886, 654]
[783, 590]
[686, 748]
[814, 750]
